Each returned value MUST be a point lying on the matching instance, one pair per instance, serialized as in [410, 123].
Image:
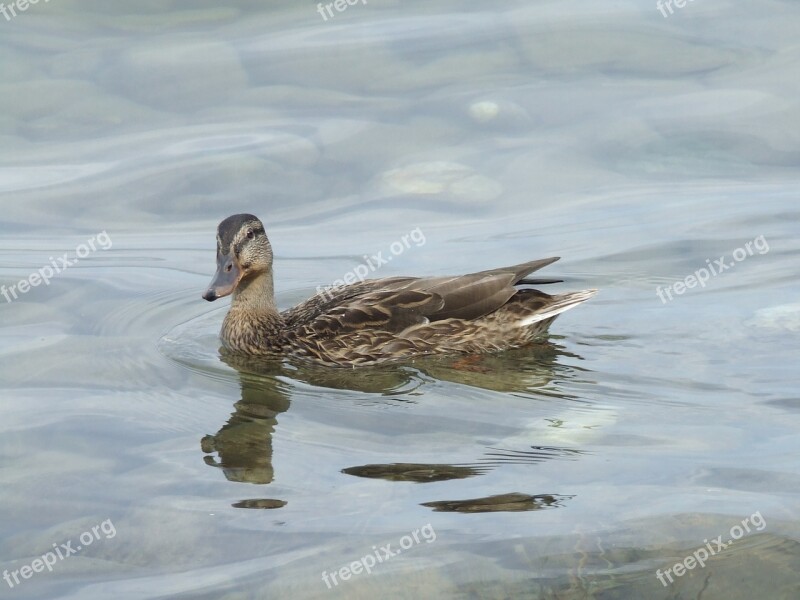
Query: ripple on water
[194, 345]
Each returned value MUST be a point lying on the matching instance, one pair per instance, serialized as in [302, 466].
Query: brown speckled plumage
[377, 320]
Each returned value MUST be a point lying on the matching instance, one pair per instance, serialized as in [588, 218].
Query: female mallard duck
[377, 320]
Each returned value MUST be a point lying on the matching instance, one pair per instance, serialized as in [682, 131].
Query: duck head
[243, 254]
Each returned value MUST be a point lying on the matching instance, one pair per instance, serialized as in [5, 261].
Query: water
[639, 148]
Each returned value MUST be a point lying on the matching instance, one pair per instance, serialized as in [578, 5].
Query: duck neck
[256, 296]
[253, 322]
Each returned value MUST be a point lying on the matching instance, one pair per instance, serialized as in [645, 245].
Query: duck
[376, 321]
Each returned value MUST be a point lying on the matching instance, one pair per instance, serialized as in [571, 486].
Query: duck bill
[225, 279]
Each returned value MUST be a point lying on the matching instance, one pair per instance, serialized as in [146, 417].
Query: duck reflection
[243, 445]
[418, 473]
[425, 473]
[513, 502]
[516, 371]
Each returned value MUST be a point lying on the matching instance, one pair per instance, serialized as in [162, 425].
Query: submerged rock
[499, 114]
[784, 317]
[440, 177]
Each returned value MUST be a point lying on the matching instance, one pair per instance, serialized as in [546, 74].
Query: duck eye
[250, 234]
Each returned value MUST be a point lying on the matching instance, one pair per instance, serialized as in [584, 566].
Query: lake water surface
[640, 148]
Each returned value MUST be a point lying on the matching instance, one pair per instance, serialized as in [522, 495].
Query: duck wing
[393, 305]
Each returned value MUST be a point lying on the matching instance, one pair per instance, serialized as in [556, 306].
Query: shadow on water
[243, 445]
